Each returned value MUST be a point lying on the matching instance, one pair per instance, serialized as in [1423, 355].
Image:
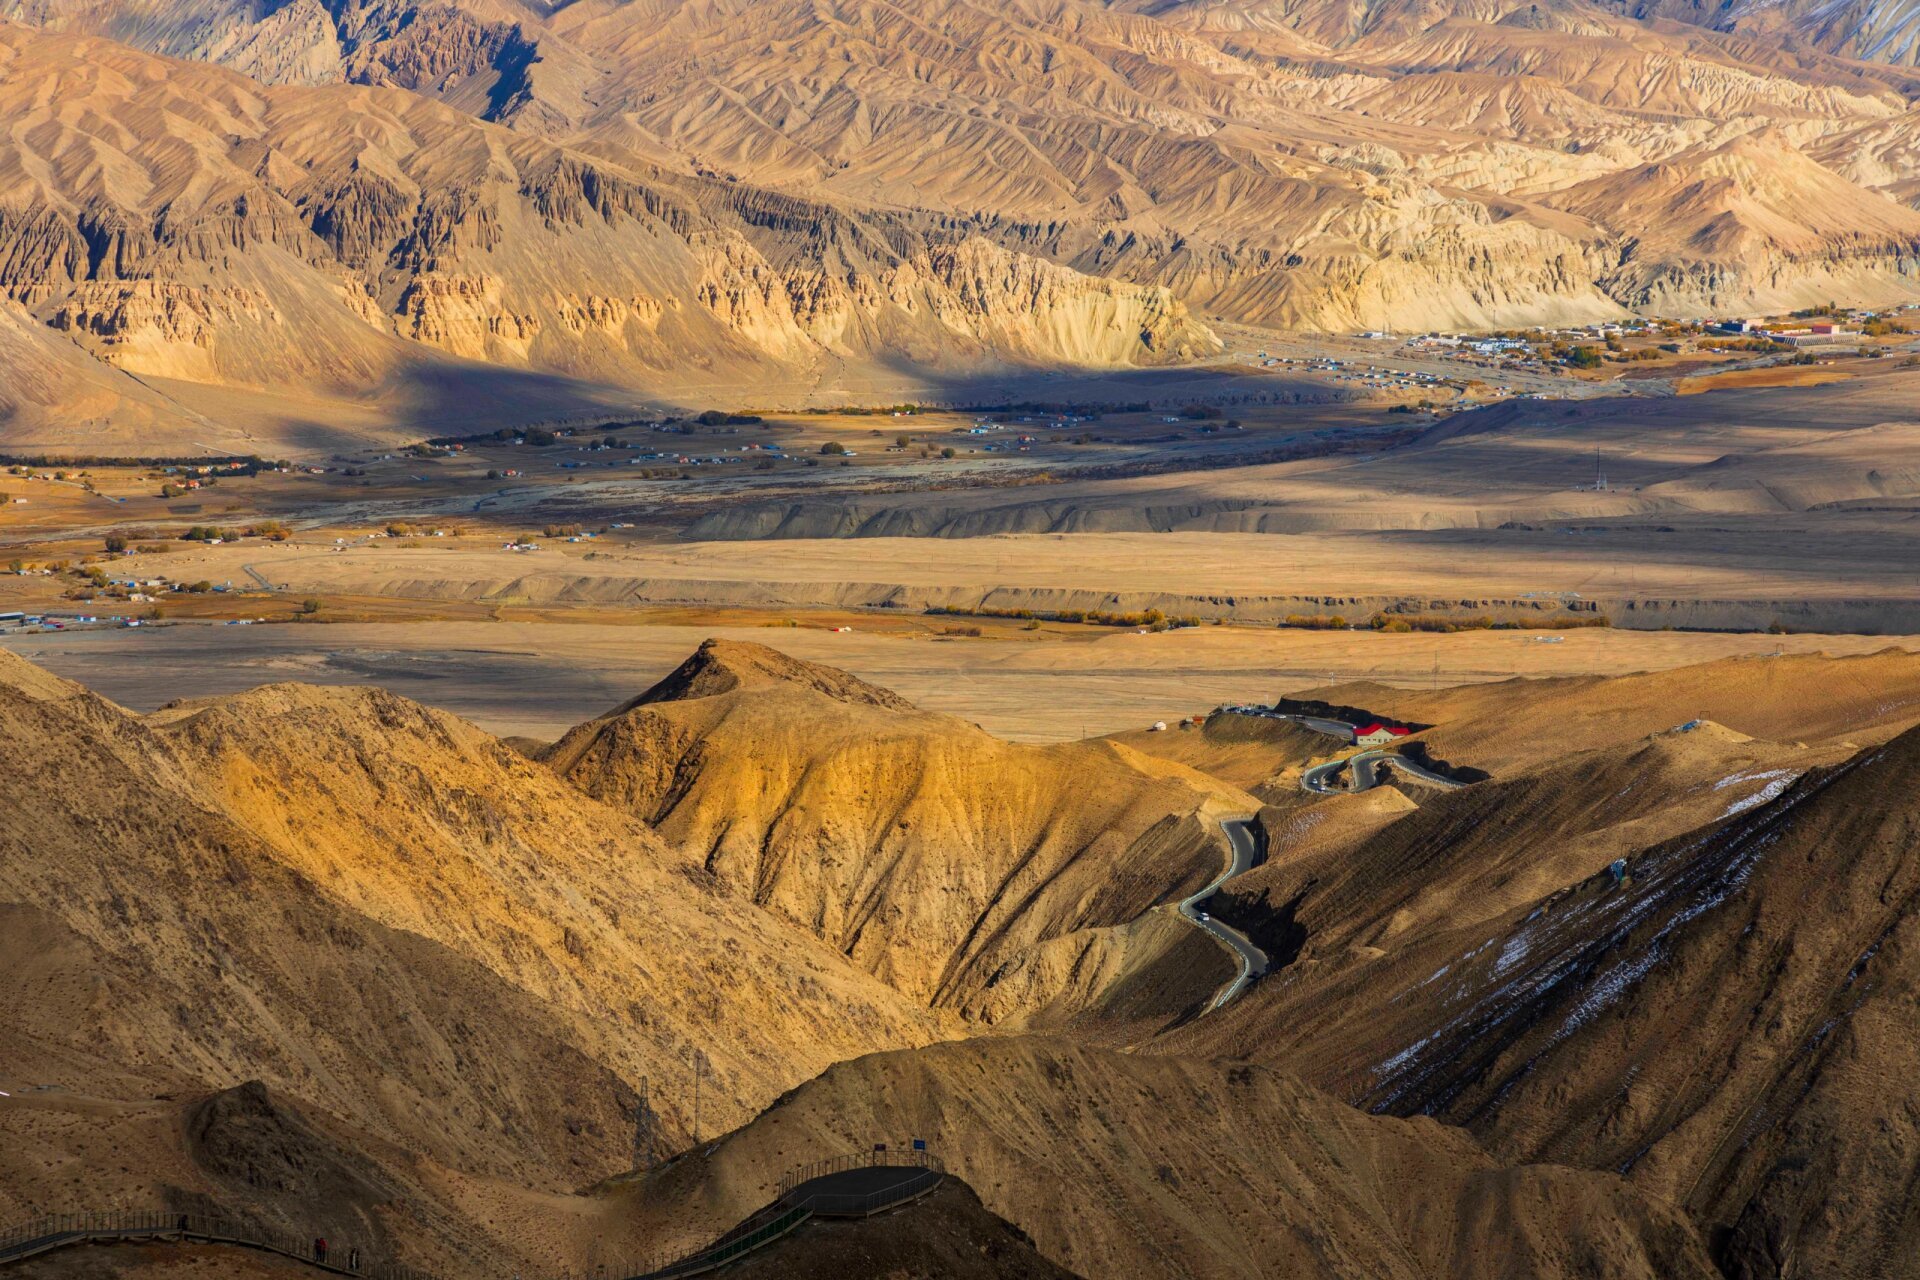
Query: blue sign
[919, 1144]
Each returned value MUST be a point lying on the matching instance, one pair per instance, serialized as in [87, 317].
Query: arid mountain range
[1480, 1052]
[506, 211]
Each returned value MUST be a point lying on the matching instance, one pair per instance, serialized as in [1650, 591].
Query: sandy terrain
[541, 679]
[1637, 576]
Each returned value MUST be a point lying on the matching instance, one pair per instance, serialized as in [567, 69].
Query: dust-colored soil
[1756, 378]
[782, 865]
[917, 845]
[188, 895]
[541, 679]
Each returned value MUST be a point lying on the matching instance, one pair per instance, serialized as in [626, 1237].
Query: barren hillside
[191, 898]
[931, 853]
[587, 206]
[1701, 1024]
[1720, 1027]
[1130, 1164]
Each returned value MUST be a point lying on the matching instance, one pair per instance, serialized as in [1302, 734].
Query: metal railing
[785, 1214]
[860, 1160]
[731, 1246]
[789, 1211]
[56, 1231]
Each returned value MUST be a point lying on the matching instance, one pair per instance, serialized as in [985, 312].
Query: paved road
[1319, 724]
[1366, 773]
[1252, 960]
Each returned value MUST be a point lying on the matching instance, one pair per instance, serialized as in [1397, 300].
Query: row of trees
[149, 540]
[1153, 619]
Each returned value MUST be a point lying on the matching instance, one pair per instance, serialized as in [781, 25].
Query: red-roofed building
[1377, 735]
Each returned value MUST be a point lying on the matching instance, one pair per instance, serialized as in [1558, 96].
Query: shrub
[832, 449]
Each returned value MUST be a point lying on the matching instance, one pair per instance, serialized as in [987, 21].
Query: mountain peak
[721, 666]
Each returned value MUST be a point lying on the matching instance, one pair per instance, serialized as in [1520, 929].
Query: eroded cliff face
[262, 241]
[652, 198]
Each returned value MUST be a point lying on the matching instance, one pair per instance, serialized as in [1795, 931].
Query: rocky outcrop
[434, 233]
[932, 854]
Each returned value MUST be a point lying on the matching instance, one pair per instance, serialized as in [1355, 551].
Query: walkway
[855, 1186]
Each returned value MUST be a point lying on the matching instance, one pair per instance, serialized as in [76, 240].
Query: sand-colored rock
[393, 919]
[929, 852]
[818, 192]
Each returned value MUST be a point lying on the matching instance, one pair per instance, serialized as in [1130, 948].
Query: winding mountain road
[1252, 960]
[1366, 773]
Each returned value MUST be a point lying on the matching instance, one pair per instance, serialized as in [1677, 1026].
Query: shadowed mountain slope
[1132, 1164]
[1721, 1025]
[388, 916]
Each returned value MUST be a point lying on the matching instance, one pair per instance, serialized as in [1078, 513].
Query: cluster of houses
[1818, 333]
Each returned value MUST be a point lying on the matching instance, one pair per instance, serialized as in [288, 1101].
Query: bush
[311, 605]
[116, 542]
[832, 449]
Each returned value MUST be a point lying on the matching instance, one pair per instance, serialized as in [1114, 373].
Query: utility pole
[699, 1065]
[643, 1130]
